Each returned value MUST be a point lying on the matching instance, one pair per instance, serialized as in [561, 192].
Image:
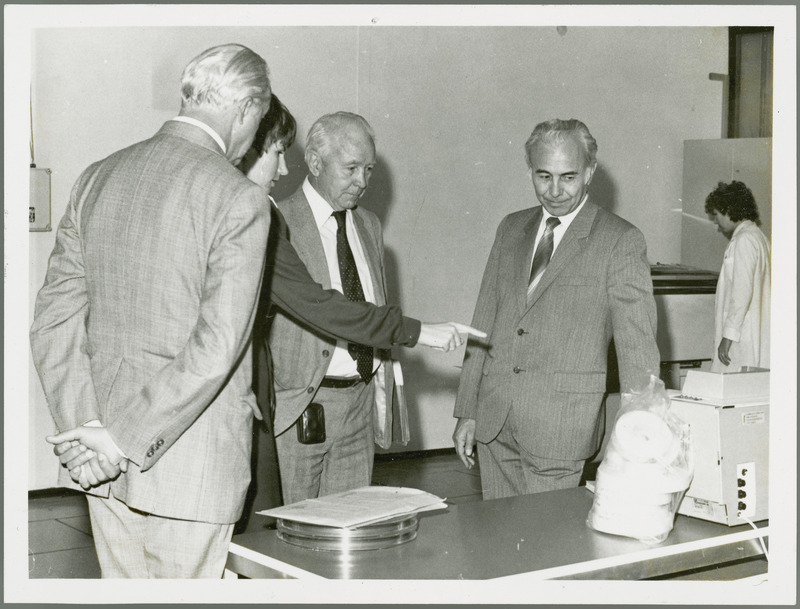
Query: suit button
[520, 331]
[517, 370]
[326, 353]
[159, 443]
[150, 453]
[310, 390]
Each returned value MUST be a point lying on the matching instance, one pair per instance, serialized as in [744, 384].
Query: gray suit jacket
[300, 355]
[145, 316]
[544, 363]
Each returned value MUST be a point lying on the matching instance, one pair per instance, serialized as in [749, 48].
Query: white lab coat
[743, 300]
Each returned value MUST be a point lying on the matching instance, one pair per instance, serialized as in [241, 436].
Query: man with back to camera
[562, 279]
[141, 335]
[323, 384]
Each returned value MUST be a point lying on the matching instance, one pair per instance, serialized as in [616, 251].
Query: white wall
[705, 164]
[452, 108]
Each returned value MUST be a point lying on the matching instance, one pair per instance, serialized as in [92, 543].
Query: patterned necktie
[351, 285]
[543, 252]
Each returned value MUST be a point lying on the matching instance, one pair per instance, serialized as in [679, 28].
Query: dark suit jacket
[544, 363]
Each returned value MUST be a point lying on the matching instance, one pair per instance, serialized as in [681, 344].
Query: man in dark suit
[562, 279]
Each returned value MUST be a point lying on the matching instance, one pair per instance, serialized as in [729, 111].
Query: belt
[332, 382]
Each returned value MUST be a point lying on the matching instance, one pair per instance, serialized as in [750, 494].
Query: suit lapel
[572, 243]
[370, 245]
[524, 256]
[304, 236]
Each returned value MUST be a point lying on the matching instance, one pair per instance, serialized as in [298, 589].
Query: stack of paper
[358, 507]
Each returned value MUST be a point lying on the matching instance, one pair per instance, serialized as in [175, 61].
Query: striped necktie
[543, 252]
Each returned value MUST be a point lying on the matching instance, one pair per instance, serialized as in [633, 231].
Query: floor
[60, 536]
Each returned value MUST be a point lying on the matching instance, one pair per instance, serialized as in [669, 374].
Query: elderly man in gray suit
[562, 279]
[333, 398]
[141, 335]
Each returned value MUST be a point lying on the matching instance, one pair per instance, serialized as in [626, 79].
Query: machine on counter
[728, 415]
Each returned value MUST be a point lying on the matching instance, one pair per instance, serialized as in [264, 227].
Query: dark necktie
[543, 252]
[351, 285]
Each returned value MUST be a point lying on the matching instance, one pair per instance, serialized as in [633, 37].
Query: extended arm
[329, 311]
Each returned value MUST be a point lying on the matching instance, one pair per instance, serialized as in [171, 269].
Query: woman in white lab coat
[741, 336]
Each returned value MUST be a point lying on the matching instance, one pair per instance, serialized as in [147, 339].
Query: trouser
[135, 544]
[340, 463]
[507, 469]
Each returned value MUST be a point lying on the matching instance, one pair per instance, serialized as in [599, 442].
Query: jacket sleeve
[329, 312]
[58, 334]
[149, 423]
[633, 310]
[466, 405]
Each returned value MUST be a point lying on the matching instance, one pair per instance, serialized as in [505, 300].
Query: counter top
[541, 536]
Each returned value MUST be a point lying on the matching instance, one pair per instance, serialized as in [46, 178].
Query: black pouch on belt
[311, 425]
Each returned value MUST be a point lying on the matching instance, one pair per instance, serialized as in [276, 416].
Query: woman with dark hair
[741, 336]
[264, 163]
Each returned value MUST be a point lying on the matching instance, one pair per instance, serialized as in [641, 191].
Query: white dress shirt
[558, 232]
[342, 365]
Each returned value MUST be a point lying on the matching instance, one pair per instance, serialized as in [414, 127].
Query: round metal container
[369, 537]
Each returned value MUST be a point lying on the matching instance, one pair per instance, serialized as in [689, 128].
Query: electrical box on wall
[39, 204]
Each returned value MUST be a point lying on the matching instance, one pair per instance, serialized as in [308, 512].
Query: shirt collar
[567, 219]
[321, 209]
[204, 127]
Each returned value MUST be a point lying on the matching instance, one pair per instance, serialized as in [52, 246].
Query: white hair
[322, 133]
[223, 76]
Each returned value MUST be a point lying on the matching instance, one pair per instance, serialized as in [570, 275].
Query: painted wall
[452, 108]
[706, 163]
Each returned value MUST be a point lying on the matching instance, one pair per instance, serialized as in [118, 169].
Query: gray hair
[326, 128]
[224, 76]
[556, 131]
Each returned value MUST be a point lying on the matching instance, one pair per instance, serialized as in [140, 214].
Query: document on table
[358, 507]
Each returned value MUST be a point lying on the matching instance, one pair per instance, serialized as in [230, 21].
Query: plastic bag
[648, 466]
